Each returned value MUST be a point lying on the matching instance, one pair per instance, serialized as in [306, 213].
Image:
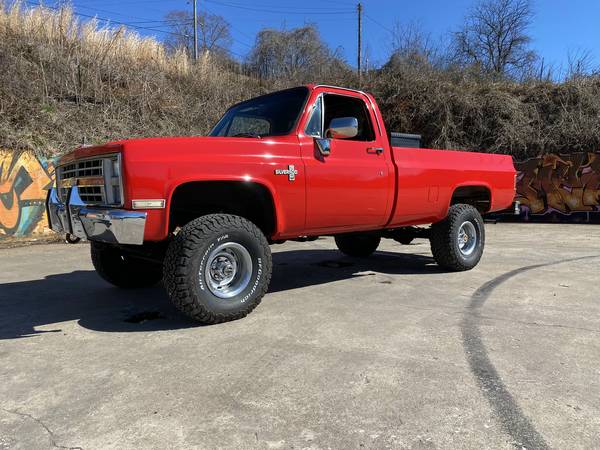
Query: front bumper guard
[113, 226]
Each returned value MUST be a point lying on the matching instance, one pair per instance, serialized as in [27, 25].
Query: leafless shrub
[298, 55]
[580, 63]
[412, 45]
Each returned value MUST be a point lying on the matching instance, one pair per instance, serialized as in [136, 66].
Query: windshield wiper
[252, 135]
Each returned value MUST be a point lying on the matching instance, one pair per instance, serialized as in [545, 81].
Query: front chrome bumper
[114, 226]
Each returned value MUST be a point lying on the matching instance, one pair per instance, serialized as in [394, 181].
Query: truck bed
[427, 179]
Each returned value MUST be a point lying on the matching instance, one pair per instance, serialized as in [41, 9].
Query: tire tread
[181, 252]
[442, 239]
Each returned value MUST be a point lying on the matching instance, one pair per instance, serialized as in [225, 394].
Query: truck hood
[170, 147]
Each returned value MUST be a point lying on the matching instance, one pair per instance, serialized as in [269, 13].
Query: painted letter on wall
[24, 180]
[560, 187]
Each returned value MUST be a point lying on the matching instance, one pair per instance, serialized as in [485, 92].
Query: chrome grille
[92, 194]
[90, 168]
[98, 180]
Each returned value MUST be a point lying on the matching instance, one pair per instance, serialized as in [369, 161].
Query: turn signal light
[148, 204]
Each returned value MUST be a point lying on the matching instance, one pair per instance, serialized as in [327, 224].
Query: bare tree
[409, 40]
[214, 33]
[495, 37]
[413, 46]
[298, 54]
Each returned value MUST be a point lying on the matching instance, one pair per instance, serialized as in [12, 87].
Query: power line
[157, 26]
[157, 22]
[379, 23]
[126, 24]
[108, 12]
[116, 22]
[273, 11]
[232, 27]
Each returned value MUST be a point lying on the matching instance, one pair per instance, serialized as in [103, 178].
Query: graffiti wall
[560, 188]
[24, 180]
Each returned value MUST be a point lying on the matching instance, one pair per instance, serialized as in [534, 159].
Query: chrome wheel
[228, 270]
[467, 238]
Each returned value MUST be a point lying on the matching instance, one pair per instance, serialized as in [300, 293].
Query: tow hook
[70, 239]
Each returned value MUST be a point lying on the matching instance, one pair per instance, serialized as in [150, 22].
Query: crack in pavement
[44, 426]
[504, 406]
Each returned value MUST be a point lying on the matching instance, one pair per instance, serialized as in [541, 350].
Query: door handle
[375, 150]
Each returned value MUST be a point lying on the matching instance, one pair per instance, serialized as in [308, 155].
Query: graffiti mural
[24, 180]
[560, 187]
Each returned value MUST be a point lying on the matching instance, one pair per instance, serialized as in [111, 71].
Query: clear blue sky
[559, 26]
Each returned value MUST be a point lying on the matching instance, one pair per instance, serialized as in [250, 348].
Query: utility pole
[195, 30]
[359, 7]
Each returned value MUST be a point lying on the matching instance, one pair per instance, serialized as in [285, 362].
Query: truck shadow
[83, 296]
[301, 268]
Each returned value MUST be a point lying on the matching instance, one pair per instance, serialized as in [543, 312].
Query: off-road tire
[122, 270]
[357, 245]
[185, 264]
[444, 239]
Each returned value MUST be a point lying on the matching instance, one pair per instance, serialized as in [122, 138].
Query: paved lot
[387, 352]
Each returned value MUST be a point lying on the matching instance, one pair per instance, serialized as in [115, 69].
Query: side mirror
[342, 128]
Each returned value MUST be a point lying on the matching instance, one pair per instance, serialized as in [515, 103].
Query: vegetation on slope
[65, 82]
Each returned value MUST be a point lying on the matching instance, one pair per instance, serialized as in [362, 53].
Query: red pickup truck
[201, 212]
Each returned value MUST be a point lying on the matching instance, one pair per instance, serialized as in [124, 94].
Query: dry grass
[64, 81]
[67, 81]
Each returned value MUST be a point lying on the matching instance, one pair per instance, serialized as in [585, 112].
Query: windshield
[270, 115]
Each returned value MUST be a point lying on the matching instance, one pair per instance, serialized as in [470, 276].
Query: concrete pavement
[387, 352]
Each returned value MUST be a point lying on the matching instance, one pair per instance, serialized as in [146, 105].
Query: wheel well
[252, 201]
[478, 196]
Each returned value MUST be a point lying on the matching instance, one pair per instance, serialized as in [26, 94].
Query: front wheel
[217, 268]
[457, 241]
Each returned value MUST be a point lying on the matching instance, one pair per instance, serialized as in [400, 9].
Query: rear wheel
[457, 242]
[357, 245]
[123, 270]
[217, 268]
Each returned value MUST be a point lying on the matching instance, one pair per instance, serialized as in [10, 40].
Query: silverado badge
[291, 172]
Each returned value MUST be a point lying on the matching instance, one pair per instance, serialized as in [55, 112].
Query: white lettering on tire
[255, 285]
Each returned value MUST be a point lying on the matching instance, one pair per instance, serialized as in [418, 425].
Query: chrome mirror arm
[324, 146]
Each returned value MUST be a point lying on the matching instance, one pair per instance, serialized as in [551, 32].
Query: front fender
[280, 223]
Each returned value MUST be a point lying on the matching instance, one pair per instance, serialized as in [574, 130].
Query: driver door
[348, 189]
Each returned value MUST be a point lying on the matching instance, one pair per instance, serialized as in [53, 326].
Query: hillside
[66, 81]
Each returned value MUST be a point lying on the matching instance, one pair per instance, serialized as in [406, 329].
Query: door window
[337, 106]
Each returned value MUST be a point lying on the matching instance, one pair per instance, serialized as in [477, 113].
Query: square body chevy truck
[200, 213]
